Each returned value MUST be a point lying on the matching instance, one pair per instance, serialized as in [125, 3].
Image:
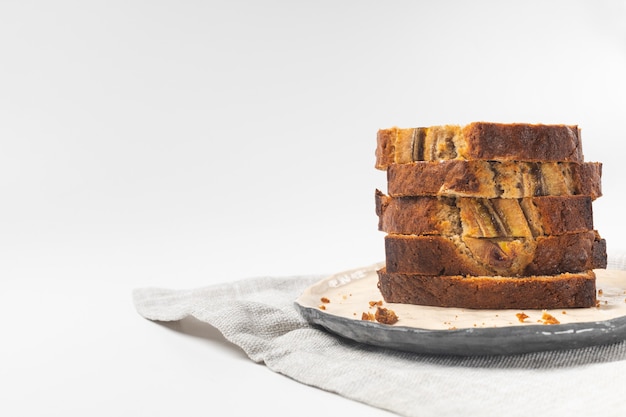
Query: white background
[185, 143]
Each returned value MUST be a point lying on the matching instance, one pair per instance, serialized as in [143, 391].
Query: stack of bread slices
[488, 216]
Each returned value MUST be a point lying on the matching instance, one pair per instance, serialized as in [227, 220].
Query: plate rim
[468, 341]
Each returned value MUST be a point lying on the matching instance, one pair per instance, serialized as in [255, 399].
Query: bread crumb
[322, 307]
[385, 316]
[324, 300]
[563, 312]
[376, 303]
[549, 319]
[368, 316]
[521, 316]
[600, 292]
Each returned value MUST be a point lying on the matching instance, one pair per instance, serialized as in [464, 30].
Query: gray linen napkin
[258, 315]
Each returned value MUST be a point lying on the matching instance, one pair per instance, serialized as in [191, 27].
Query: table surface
[96, 356]
[187, 144]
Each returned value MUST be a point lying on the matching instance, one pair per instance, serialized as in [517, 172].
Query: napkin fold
[258, 315]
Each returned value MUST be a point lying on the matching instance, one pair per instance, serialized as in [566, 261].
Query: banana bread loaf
[482, 217]
[463, 255]
[567, 290]
[479, 141]
[491, 179]
[488, 215]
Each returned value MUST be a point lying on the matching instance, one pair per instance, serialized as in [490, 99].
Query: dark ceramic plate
[337, 303]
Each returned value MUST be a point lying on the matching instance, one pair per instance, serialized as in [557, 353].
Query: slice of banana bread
[479, 141]
[566, 290]
[484, 217]
[463, 255]
[490, 179]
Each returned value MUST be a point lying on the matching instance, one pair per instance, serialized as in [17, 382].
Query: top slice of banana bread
[479, 141]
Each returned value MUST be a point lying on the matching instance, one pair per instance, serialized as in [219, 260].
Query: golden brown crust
[480, 217]
[567, 290]
[490, 179]
[523, 142]
[418, 215]
[479, 141]
[385, 147]
[514, 257]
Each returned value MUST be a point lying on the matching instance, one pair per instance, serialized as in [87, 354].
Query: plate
[338, 302]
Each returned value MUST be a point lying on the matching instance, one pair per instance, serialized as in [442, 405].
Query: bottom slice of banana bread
[567, 290]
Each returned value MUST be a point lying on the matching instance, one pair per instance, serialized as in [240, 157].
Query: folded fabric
[259, 316]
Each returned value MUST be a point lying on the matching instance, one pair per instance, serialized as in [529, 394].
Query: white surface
[179, 144]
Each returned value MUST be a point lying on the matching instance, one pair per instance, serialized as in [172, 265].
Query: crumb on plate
[521, 316]
[385, 316]
[549, 319]
[368, 316]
